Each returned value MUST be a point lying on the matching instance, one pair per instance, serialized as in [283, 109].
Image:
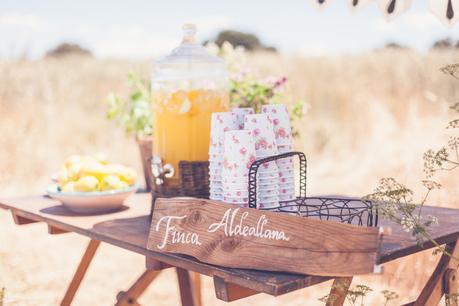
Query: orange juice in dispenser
[187, 87]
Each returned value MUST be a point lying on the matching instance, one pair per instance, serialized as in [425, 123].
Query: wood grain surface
[302, 245]
[129, 229]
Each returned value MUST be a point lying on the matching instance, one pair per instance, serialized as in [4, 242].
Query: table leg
[338, 291]
[130, 296]
[196, 288]
[80, 272]
[442, 281]
[186, 293]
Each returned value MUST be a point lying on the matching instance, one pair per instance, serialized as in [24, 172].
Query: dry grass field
[367, 116]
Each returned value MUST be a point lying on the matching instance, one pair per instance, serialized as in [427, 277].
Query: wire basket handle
[253, 171]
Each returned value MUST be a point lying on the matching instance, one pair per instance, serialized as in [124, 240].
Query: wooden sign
[230, 236]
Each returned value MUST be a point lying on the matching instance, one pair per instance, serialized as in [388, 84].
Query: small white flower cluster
[409, 223]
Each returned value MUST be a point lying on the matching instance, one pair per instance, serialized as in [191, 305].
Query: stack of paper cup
[280, 118]
[220, 123]
[265, 145]
[240, 113]
[238, 157]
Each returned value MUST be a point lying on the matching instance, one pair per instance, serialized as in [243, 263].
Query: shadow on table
[126, 230]
[61, 210]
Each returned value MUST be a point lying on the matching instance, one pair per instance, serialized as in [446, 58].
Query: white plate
[91, 202]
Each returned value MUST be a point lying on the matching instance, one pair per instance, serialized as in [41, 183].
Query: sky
[142, 29]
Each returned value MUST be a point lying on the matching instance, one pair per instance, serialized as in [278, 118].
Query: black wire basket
[331, 208]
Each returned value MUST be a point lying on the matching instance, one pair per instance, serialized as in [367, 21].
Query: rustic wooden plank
[153, 264]
[222, 234]
[229, 292]
[129, 297]
[338, 291]
[80, 272]
[186, 294]
[19, 220]
[129, 228]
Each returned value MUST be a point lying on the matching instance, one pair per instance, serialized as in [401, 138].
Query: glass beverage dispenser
[188, 85]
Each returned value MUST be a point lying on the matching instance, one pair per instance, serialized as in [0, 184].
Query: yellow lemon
[112, 182]
[73, 172]
[68, 187]
[115, 169]
[129, 176]
[86, 184]
[93, 168]
[62, 177]
[126, 174]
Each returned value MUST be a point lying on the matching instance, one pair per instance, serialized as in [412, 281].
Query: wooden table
[129, 227]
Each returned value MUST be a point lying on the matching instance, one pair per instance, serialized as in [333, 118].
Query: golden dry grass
[368, 116]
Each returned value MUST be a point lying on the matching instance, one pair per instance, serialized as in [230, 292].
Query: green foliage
[394, 200]
[356, 293]
[132, 113]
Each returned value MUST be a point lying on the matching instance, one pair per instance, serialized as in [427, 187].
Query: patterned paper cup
[236, 200]
[284, 168]
[284, 149]
[235, 181]
[216, 149]
[215, 171]
[264, 199]
[290, 185]
[218, 191]
[268, 167]
[280, 118]
[239, 153]
[286, 191]
[216, 163]
[287, 180]
[272, 204]
[236, 186]
[216, 156]
[216, 197]
[232, 193]
[284, 161]
[267, 180]
[285, 198]
[270, 174]
[268, 186]
[267, 193]
[263, 133]
[286, 173]
[216, 187]
[240, 113]
[218, 178]
[220, 123]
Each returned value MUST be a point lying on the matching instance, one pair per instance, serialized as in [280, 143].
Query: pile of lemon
[89, 173]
